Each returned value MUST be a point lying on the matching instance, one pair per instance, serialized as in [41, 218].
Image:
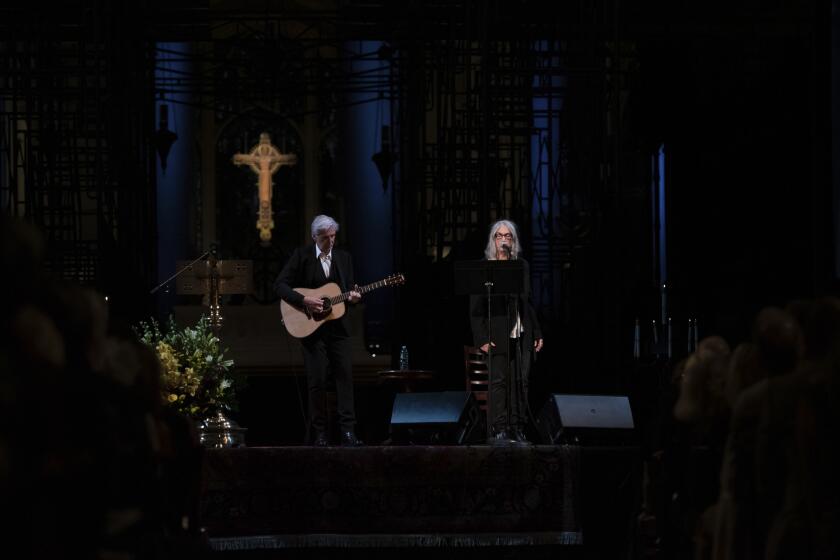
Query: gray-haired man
[313, 266]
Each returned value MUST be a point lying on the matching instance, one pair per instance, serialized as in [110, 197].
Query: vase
[217, 430]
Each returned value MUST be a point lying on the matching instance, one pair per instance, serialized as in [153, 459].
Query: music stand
[491, 278]
[505, 277]
[213, 278]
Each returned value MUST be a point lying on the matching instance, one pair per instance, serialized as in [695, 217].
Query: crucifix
[264, 160]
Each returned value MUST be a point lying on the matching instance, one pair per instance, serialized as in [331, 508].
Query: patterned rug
[395, 496]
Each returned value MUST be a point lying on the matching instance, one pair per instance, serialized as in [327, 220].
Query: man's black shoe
[349, 439]
[321, 440]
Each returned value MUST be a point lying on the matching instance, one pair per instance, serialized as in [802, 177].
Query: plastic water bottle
[404, 357]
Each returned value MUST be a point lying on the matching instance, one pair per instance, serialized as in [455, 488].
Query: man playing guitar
[329, 346]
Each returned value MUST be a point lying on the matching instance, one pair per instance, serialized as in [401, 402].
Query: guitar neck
[362, 290]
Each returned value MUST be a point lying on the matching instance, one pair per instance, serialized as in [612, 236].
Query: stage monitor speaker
[443, 418]
[595, 419]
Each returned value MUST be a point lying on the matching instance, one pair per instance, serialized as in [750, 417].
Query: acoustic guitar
[300, 322]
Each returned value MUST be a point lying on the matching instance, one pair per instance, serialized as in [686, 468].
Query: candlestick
[663, 303]
[689, 337]
[636, 342]
[696, 336]
[654, 333]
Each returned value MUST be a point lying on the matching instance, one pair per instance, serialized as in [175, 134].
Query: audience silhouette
[766, 414]
[91, 465]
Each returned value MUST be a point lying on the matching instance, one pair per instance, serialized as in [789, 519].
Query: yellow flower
[167, 358]
[193, 372]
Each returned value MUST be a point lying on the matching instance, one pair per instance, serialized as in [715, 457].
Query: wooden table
[407, 379]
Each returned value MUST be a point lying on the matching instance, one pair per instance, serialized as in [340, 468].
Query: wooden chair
[475, 370]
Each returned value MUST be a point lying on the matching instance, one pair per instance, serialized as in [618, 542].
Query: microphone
[506, 248]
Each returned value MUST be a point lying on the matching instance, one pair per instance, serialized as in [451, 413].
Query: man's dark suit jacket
[304, 270]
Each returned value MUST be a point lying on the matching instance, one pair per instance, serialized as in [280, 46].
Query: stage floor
[396, 497]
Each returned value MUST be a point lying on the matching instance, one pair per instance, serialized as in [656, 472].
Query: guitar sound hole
[327, 304]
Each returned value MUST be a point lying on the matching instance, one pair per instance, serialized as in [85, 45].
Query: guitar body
[299, 323]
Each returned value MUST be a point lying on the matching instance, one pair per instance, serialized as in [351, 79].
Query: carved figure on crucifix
[264, 160]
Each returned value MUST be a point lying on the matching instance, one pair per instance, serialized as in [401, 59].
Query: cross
[264, 160]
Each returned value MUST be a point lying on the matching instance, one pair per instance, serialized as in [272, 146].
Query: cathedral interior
[669, 165]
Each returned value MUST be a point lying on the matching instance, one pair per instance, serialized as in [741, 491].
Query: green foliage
[196, 377]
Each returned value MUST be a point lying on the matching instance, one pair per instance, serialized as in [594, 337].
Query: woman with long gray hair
[506, 327]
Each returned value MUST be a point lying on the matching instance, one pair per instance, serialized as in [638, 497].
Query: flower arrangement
[196, 380]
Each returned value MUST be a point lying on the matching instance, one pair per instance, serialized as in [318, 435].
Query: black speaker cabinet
[586, 419]
[443, 418]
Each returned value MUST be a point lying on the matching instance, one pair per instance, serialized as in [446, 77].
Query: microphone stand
[489, 286]
[213, 295]
[522, 405]
[510, 382]
[174, 276]
[516, 370]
